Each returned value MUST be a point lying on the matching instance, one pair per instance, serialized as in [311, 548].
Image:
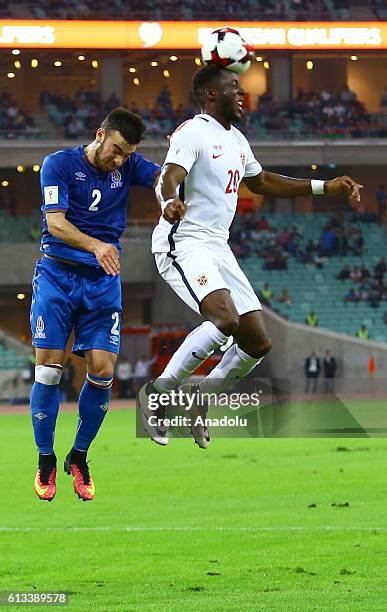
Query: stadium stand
[327, 114]
[260, 10]
[316, 287]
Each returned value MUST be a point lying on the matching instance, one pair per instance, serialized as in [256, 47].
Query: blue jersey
[94, 201]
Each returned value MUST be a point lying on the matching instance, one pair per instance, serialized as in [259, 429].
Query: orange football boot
[82, 480]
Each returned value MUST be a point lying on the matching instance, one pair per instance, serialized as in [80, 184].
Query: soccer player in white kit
[207, 159]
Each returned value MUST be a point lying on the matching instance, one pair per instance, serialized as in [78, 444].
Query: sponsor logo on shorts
[116, 179]
[39, 329]
[202, 280]
[114, 340]
[80, 176]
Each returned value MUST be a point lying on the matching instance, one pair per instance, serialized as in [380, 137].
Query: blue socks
[44, 403]
[93, 405]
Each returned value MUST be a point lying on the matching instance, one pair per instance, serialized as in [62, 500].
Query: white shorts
[195, 272]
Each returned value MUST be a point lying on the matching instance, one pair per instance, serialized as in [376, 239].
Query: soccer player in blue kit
[76, 284]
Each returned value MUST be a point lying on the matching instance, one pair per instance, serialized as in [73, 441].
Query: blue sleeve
[144, 171]
[54, 183]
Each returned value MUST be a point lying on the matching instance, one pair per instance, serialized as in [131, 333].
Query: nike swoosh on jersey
[216, 156]
[194, 354]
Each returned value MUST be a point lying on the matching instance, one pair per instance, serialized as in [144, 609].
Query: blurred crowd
[254, 10]
[370, 288]
[325, 114]
[15, 121]
[251, 234]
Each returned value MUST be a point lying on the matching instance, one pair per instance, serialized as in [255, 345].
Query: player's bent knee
[49, 374]
[227, 323]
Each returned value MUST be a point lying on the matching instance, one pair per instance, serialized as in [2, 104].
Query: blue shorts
[79, 298]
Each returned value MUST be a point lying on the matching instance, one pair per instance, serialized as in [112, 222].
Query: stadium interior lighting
[57, 63]
[20, 168]
[17, 64]
[94, 63]
[21, 296]
[4, 183]
[314, 166]
[36, 167]
[166, 73]
[136, 81]
[81, 58]
[132, 70]
[34, 63]
[11, 75]
[259, 58]
[15, 51]
[154, 63]
[309, 65]
[354, 58]
[198, 61]
[266, 65]
[173, 58]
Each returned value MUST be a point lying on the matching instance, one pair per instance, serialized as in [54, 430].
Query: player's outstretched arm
[170, 178]
[106, 254]
[277, 185]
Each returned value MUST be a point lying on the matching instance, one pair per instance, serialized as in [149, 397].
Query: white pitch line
[190, 529]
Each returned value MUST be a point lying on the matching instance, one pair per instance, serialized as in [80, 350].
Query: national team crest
[116, 179]
[39, 329]
[202, 280]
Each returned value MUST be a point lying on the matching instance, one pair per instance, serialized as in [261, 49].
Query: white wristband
[317, 187]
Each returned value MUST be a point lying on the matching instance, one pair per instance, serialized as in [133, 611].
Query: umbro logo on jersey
[80, 176]
[216, 156]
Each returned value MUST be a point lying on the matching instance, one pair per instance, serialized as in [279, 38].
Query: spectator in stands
[312, 371]
[381, 199]
[328, 241]
[380, 269]
[284, 297]
[344, 273]
[329, 366]
[355, 274]
[352, 296]
[124, 374]
[312, 319]
[142, 370]
[363, 332]
[266, 294]
[374, 297]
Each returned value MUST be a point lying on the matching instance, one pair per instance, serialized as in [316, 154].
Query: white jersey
[216, 160]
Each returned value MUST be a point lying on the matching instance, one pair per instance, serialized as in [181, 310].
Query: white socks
[197, 346]
[235, 364]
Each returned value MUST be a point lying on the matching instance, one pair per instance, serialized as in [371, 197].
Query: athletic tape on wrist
[317, 187]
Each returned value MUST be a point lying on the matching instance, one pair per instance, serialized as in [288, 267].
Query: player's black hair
[205, 77]
[128, 124]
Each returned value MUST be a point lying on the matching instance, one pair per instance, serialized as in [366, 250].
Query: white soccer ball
[226, 47]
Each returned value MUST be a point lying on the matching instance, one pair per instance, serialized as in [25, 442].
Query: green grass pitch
[281, 524]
